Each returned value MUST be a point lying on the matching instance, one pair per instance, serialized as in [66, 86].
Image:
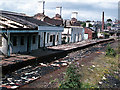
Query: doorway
[28, 44]
[38, 41]
[53, 40]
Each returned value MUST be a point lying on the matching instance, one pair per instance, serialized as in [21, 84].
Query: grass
[91, 74]
[103, 65]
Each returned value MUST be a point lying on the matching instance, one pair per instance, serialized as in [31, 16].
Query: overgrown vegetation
[110, 51]
[91, 75]
[72, 78]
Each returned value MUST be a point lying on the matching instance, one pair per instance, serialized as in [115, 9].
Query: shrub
[110, 51]
[71, 79]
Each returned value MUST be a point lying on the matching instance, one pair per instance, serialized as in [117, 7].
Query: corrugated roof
[22, 19]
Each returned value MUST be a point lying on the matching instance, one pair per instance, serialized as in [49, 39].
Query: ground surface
[53, 79]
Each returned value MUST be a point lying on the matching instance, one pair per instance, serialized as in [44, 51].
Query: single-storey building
[72, 34]
[19, 33]
[17, 41]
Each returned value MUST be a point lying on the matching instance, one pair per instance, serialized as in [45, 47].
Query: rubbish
[42, 64]
[100, 82]
[93, 65]
[103, 78]
[64, 64]
[55, 65]
[14, 87]
[82, 65]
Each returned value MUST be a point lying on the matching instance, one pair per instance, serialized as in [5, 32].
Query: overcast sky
[87, 9]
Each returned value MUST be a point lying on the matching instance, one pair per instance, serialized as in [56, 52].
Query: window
[51, 37]
[22, 40]
[47, 37]
[34, 39]
[0, 41]
[14, 41]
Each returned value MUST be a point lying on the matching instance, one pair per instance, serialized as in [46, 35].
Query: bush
[71, 79]
[110, 51]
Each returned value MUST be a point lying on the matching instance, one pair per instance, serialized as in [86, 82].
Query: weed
[71, 78]
[110, 51]
[87, 85]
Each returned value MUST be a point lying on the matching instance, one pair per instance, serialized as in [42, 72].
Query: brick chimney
[102, 21]
[41, 8]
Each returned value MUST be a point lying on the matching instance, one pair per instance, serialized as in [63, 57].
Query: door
[39, 41]
[44, 39]
[53, 40]
[28, 44]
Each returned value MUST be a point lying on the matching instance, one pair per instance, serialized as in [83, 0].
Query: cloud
[87, 9]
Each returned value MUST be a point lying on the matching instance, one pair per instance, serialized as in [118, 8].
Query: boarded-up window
[0, 41]
[51, 38]
[14, 41]
[47, 37]
[34, 39]
[22, 40]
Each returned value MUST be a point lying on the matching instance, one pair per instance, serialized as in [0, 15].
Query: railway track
[33, 72]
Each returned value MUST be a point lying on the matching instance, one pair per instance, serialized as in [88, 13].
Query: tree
[108, 24]
[109, 20]
[90, 25]
[83, 24]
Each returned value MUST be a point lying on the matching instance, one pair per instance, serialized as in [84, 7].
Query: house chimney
[41, 7]
[74, 15]
[102, 21]
[59, 10]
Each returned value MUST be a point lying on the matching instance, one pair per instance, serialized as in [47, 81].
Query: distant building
[50, 35]
[56, 21]
[89, 33]
[72, 34]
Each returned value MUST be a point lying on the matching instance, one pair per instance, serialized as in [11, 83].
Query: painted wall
[47, 38]
[88, 32]
[75, 34]
[3, 48]
[19, 47]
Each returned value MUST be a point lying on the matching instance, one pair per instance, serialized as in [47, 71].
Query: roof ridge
[13, 13]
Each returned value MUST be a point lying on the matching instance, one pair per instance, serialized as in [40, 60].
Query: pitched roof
[51, 21]
[22, 19]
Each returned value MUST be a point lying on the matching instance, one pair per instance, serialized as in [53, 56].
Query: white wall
[19, 47]
[76, 34]
[34, 46]
[50, 43]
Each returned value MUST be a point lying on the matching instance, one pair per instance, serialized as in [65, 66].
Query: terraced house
[19, 33]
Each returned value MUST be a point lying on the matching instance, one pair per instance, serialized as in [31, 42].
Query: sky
[87, 9]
